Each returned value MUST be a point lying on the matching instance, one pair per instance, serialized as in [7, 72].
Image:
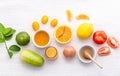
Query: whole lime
[85, 30]
[22, 38]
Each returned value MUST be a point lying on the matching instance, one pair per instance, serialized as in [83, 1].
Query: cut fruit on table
[82, 17]
[69, 15]
[104, 51]
[63, 34]
[113, 42]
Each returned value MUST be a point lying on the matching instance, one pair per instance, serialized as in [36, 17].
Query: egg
[69, 51]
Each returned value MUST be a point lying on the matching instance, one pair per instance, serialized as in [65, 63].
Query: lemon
[22, 38]
[85, 30]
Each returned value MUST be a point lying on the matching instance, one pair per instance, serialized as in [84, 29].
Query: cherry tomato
[104, 51]
[69, 51]
[113, 42]
[99, 37]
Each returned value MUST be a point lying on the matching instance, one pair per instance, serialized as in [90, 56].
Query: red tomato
[104, 51]
[113, 42]
[69, 51]
[99, 37]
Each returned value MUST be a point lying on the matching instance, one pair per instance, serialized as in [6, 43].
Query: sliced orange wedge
[63, 34]
[82, 17]
[69, 15]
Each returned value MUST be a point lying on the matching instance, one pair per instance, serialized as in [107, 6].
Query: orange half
[63, 34]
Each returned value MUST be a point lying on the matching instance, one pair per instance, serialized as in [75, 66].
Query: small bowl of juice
[51, 53]
[41, 39]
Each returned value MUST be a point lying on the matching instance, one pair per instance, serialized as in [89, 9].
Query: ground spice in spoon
[88, 50]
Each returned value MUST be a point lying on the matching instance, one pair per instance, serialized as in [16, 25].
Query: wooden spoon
[88, 56]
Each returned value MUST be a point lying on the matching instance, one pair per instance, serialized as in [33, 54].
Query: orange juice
[41, 38]
[51, 53]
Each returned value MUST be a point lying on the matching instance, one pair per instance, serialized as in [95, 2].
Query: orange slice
[51, 53]
[69, 15]
[63, 34]
[82, 17]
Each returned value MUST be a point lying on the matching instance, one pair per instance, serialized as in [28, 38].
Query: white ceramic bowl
[39, 45]
[83, 60]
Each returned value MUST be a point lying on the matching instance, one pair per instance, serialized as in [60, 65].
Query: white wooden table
[19, 14]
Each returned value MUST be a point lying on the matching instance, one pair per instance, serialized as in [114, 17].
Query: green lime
[22, 38]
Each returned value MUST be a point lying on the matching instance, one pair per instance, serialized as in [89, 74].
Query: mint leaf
[1, 38]
[6, 34]
[7, 30]
[10, 33]
[1, 27]
[10, 54]
[8, 37]
[14, 48]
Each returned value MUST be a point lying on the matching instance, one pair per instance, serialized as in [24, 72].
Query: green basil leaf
[1, 27]
[8, 37]
[11, 32]
[14, 48]
[1, 41]
[10, 54]
[7, 31]
[1, 38]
